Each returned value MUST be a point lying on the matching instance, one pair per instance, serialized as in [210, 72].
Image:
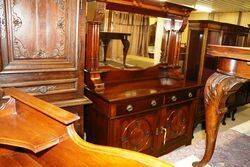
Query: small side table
[106, 37]
[233, 70]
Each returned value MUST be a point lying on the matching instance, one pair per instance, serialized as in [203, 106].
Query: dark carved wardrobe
[42, 51]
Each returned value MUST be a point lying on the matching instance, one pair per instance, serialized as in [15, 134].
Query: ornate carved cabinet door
[39, 46]
[42, 49]
[136, 132]
[175, 122]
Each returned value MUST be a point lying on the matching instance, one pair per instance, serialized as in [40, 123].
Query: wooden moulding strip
[46, 108]
[73, 102]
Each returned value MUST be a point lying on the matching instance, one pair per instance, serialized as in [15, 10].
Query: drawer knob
[153, 103]
[129, 108]
[190, 94]
[174, 98]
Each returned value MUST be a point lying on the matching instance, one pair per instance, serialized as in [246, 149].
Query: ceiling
[218, 5]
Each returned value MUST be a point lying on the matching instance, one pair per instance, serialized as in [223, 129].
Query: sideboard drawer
[139, 105]
[180, 96]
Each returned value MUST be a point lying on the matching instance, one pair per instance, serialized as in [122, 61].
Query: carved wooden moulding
[150, 7]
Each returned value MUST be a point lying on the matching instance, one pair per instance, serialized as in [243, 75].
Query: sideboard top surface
[144, 88]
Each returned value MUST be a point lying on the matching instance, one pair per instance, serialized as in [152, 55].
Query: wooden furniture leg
[126, 45]
[105, 47]
[217, 90]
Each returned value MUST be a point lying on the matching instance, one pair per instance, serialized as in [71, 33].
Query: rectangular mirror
[133, 40]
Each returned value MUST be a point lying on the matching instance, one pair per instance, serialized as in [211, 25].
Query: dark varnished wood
[233, 70]
[149, 7]
[130, 115]
[95, 17]
[42, 50]
[31, 137]
[129, 103]
[1, 97]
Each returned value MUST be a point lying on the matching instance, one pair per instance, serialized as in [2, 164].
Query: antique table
[106, 37]
[233, 70]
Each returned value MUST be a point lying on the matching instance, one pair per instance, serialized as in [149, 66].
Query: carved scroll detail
[17, 22]
[136, 135]
[3, 20]
[22, 52]
[218, 88]
[19, 50]
[177, 123]
[60, 3]
[40, 89]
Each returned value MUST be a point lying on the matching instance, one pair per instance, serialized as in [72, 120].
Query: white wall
[231, 18]
[245, 19]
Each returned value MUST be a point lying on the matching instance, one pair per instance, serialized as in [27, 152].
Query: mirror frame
[156, 8]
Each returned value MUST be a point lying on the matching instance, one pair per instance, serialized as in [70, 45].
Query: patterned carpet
[232, 150]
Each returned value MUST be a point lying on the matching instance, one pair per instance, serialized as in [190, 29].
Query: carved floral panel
[39, 35]
[38, 28]
[177, 122]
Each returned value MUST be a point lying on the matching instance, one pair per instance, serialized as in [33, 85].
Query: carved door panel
[39, 34]
[39, 46]
[136, 133]
[174, 123]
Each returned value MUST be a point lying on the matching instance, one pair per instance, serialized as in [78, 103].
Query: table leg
[105, 47]
[126, 45]
[217, 90]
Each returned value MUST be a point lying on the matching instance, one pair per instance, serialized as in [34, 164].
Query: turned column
[92, 46]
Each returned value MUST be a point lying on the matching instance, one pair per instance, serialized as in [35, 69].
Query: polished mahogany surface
[144, 88]
[233, 70]
[150, 116]
[146, 110]
[31, 137]
[149, 7]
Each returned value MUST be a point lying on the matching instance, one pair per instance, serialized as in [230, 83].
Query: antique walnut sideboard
[42, 51]
[147, 110]
[36, 133]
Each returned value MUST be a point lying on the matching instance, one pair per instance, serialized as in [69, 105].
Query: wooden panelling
[31, 45]
[43, 49]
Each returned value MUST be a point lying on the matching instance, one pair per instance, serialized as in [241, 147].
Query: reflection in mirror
[133, 40]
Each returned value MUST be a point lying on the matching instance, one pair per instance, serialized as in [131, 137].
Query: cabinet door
[135, 132]
[175, 122]
[40, 47]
